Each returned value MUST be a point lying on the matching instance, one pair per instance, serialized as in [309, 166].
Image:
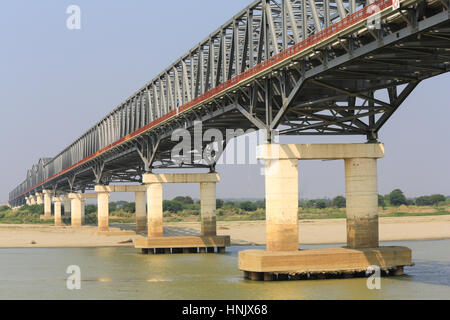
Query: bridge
[292, 67]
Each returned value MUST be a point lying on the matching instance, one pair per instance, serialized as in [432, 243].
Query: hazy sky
[55, 83]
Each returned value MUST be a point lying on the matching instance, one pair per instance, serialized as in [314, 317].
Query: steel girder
[349, 84]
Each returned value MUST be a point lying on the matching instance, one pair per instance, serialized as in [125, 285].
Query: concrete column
[282, 204]
[39, 198]
[208, 208]
[57, 207]
[154, 210]
[103, 211]
[362, 202]
[141, 215]
[77, 205]
[32, 200]
[47, 203]
[27, 201]
[67, 207]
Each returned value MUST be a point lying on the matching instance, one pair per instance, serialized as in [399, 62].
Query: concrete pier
[78, 207]
[141, 208]
[103, 210]
[39, 198]
[32, 200]
[57, 207]
[47, 203]
[47, 195]
[154, 210]
[282, 260]
[281, 204]
[103, 196]
[156, 242]
[362, 202]
[208, 208]
[67, 207]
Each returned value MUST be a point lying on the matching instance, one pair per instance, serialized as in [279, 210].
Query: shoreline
[243, 233]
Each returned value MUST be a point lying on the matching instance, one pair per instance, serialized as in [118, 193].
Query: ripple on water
[123, 273]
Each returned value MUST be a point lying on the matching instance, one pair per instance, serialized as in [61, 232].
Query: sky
[56, 83]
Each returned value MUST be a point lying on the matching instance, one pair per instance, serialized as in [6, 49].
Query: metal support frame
[348, 84]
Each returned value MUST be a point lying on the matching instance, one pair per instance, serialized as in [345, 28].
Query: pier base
[262, 265]
[191, 244]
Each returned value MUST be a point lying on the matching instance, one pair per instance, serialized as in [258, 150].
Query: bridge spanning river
[308, 67]
[297, 67]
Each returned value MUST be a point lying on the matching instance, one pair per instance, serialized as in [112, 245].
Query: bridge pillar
[32, 200]
[282, 259]
[39, 198]
[57, 207]
[207, 241]
[154, 210]
[103, 211]
[281, 204]
[47, 203]
[67, 207]
[77, 205]
[208, 208]
[141, 215]
[27, 201]
[362, 202]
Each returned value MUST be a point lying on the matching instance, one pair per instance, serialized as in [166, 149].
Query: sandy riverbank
[241, 232]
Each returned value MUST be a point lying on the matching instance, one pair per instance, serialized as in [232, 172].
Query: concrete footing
[322, 263]
[282, 260]
[191, 244]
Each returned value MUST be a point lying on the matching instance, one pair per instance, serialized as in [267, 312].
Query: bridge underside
[351, 86]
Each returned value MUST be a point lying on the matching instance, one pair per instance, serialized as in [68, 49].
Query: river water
[124, 273]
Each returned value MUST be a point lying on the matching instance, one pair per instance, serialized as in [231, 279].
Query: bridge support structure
[103, 211]
[32, 200]
[67, 206]
[57, 204]
[77, 203]
[141, 211]
[39, 198]
[206, 242]
[103, 196]
[282, 258]
[47, 200]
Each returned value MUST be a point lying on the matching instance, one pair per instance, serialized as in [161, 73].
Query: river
[124, 273]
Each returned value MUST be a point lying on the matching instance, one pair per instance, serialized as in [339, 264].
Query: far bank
[317, 231]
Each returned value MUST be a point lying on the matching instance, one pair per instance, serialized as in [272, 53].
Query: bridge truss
[301, 67]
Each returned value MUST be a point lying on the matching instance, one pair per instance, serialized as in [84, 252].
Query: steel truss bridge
[302, 67]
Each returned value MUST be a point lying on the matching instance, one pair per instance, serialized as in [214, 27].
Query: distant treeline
[189, 206]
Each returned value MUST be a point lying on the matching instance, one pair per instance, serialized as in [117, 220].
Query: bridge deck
[255, 72]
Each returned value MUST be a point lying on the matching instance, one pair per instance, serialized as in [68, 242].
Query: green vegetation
[407, 214]
[397, 198]
[26, 214]
[180, 208]
[432, 200]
